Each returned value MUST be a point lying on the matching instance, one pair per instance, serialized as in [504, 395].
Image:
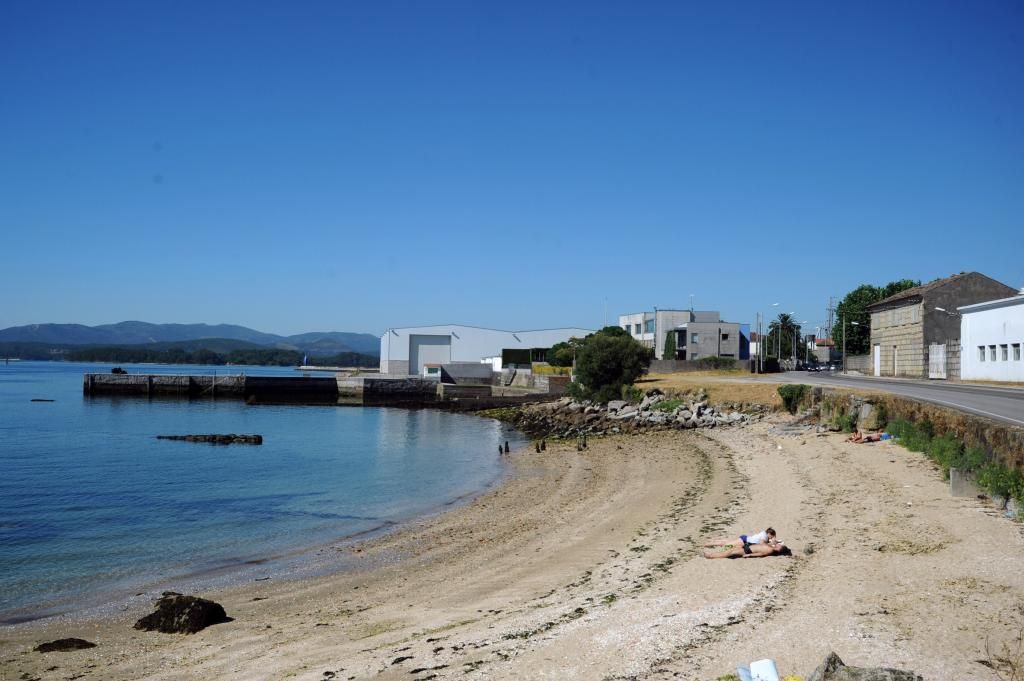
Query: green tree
[606, 361]
[853, 308]
[561, 354]
[670, 346]
[781, 334]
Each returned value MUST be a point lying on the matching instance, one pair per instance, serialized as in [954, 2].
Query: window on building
[649, 326]
[725, 336]
[695, 337]
[1004, 352]
[992, 353]
[981, 353]
[636, 329]
[1016, 352]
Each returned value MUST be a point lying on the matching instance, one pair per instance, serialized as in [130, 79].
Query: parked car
[812, 366]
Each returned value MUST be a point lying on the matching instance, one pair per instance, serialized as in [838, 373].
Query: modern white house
[405, 351]
[991, 336]
[699, 334]
[651, 328]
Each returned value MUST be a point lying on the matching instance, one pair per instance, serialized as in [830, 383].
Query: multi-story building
[698, 334]
[702, 339]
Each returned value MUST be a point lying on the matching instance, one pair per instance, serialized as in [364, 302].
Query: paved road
[1003, 404]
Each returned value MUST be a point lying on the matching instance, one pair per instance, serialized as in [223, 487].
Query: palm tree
[782, 333]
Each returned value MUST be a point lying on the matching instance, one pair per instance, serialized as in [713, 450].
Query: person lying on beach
[860, 437]
[776, 548]
[765, 537]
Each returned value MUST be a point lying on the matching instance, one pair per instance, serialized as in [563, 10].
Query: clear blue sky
[354, 166]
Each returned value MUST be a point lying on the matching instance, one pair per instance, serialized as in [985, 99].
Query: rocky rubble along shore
[656, 411]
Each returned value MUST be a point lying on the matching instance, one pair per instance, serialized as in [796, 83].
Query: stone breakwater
[567, 417]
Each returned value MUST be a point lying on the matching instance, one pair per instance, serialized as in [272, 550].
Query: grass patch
[719, 386]
[791, 395]
[632, 394]
[845, 422]
[670, 404]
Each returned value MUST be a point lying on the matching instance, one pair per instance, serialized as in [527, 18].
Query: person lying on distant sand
[776, 548]
[765, 537]
[860, 437]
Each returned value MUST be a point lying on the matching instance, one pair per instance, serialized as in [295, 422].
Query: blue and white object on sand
[763, 670]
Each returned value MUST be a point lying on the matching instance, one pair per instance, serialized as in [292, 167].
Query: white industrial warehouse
[991, 335]
[405, 351]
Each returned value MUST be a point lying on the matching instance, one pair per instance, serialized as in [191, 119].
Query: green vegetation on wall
[791, 395]
[948, 451]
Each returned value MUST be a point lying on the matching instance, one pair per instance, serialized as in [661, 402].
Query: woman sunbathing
[860, 437]
[764, 537]
[748, 550]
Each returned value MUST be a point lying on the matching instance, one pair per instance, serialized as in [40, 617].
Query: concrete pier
[159, 384]
[371, 390]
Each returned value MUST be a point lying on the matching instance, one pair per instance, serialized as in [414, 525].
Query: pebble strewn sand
[587, 565]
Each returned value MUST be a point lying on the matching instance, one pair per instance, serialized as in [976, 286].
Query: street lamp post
[844, 339]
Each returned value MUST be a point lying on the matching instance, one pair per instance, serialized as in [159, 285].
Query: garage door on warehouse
[424, 349]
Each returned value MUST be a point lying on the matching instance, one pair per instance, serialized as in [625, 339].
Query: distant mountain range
[143, 333]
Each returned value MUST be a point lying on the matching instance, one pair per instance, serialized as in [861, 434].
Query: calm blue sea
[93, 506]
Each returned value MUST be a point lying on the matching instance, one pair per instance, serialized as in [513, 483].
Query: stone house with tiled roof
[916, 333]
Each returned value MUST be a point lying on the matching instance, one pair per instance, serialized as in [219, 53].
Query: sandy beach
[587, 565]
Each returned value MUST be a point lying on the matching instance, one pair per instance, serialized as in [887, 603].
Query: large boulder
[616, 405]
[833, 669]
[177, 614]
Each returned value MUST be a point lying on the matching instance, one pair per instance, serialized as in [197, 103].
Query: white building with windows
[991, 338]
[651, 328]
[407, 351]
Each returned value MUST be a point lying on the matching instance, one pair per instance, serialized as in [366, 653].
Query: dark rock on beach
[177, 614]
[64, 644]
[833, 669]
[229, 439]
